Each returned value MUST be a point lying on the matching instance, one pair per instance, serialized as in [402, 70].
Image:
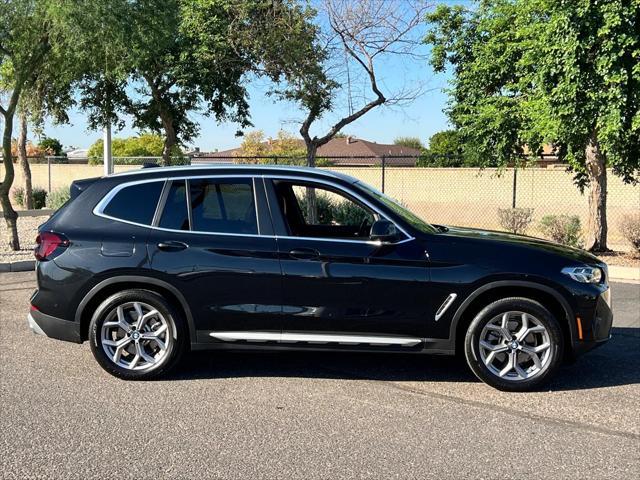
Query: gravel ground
[28, 226]
[27, 231]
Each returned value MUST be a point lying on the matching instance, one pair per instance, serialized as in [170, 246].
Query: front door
[214, 239]
[336, 281]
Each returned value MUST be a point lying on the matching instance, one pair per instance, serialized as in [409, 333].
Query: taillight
[48, 244]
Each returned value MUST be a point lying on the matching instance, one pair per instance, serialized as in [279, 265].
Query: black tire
[176, 329]
[500, 307]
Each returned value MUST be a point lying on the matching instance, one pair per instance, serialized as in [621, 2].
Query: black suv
[148, 264]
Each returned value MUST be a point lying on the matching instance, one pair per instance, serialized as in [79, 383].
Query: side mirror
[383, 231]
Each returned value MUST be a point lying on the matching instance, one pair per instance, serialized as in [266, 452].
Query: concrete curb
[19, 266]
[624, 274]
[43, 212]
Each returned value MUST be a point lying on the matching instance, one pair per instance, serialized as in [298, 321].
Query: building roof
[343, 151]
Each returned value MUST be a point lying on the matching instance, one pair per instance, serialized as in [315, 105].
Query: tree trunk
[597, 172]
[170, 139]
[312, 204]
[10, 215]
[24, 162]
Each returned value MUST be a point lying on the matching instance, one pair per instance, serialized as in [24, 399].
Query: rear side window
[135, 203]
[223, 206]
[175, 215]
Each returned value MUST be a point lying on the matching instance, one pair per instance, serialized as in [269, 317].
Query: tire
[508, 363]
[137, 356]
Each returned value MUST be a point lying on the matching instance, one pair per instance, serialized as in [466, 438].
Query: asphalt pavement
[311, 415]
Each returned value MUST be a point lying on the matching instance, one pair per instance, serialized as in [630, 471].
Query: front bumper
[596, 317]
[53, 327]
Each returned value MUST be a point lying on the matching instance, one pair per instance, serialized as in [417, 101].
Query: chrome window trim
[99, 208]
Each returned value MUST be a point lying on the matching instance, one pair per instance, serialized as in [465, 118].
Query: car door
[214, 240]
[335, 280]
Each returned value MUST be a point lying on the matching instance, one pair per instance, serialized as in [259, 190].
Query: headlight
[584, 274]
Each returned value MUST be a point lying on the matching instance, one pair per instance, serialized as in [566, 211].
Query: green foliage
[58, 198]
[144, 145]
[446, 142]
[51, 146]
[530, 72]
[411, 142]
[330, 212]
[515, 220]
[39, 196]
[630, 228]
[565, 229]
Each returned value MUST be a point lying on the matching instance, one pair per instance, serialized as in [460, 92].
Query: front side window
[312, 210]
[223, 206]
[135, 203]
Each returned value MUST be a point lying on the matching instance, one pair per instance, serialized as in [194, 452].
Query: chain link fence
[454, 196]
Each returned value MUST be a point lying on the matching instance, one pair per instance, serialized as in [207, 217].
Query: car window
[175, 214]
[223, 206]
[335, 215]
[135, 203]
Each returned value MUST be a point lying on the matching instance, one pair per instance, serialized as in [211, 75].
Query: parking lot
[311, 415]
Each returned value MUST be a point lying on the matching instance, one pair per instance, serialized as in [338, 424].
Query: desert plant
[515, 220]
[57, 198]
[39, 196]
[630, 228]
[565, 229]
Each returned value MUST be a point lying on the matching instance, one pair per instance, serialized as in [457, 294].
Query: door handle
[172, 246]
[304, 253]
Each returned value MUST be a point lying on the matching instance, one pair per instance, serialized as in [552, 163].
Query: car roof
[230, 169]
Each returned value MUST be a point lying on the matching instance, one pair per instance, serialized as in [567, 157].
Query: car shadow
[615, 363]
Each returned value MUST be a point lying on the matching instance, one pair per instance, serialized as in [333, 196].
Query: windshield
[399, 209]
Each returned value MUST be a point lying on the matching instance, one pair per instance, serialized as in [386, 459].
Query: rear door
[214, 241]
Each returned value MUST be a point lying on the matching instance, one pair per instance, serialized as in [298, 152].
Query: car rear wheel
[514, 344]
[136, 334]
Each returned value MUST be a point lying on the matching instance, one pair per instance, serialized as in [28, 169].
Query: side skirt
[252, 340]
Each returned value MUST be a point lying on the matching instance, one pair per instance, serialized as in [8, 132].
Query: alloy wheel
[136, 336]
[515, 346]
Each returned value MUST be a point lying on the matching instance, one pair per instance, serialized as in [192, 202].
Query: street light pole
[107, 158]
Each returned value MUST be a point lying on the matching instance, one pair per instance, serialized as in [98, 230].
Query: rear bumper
[53, 327]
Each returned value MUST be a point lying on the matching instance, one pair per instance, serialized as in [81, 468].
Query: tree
[253, 144]
[411, 142]
[144, 145]
[51, 146]
[285, 148]
[30, 43]
[359, 34]
[364, 32]
[445, 150]
[526, 73]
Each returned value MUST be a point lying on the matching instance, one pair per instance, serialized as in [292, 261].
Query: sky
[420, 118]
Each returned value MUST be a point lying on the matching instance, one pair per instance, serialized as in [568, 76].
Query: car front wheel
[514, 344]
[136, 334]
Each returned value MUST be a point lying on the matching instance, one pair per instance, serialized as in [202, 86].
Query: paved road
[304, 415]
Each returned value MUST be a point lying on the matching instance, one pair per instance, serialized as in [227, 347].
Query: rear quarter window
[135, 203]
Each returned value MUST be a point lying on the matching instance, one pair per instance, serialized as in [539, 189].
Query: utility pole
[107, 157]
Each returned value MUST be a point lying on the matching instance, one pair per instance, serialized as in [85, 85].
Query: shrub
[630, 228]
[57, 198]
[334, 212]
[18, 196]
[565, 229]
[515, 220]
[39, 196]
